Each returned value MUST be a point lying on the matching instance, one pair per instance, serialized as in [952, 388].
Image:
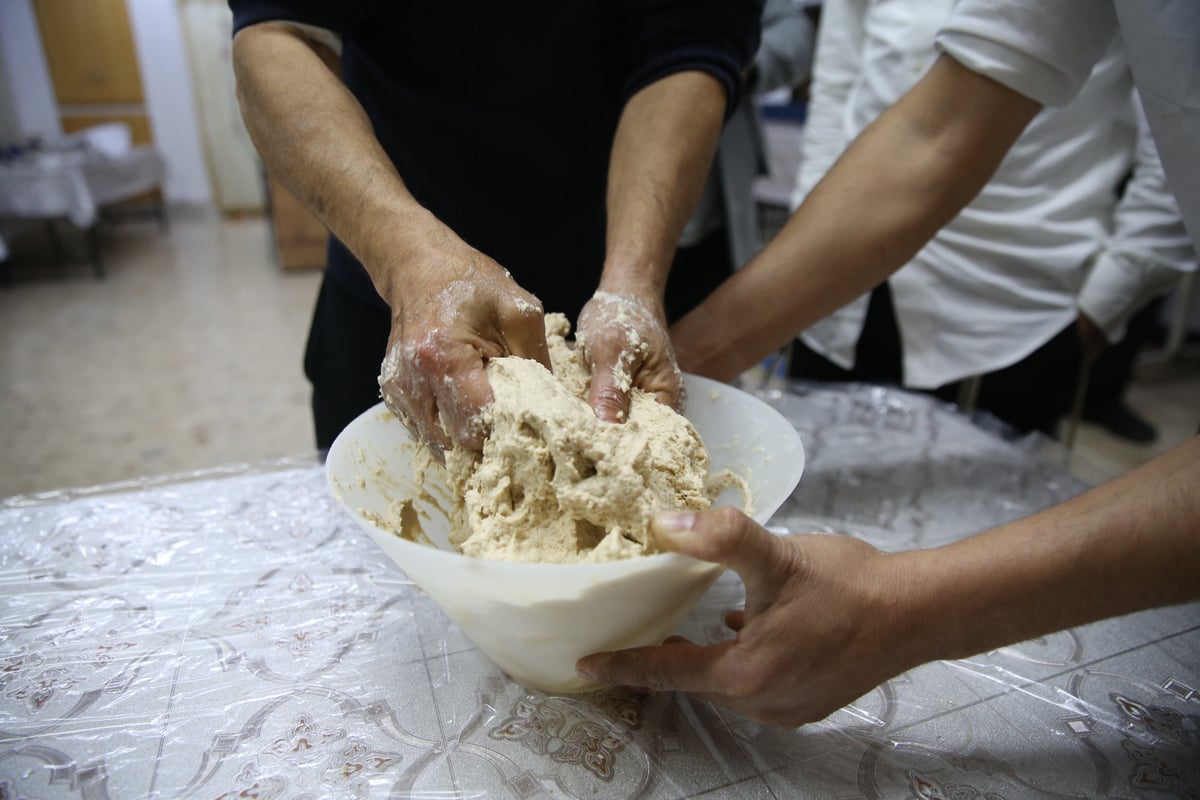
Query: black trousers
[1030, 395]
[348, 336]
[347, 341]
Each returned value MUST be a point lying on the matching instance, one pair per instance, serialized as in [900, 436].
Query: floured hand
[448, 319]
[624, 341]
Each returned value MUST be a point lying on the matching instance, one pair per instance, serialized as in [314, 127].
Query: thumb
[606, 397]
[728, 537]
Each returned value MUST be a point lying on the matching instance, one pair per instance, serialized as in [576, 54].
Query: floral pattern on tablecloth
[234, 634]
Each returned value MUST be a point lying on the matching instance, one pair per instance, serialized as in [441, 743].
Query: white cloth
[1040, 241]
[75, 183]
[1161, 39]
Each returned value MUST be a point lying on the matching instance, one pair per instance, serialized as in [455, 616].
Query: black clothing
[346, 344]
[348, 337]
[1031, 395]
[500, 120]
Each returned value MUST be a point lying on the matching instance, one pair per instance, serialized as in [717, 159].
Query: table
[75, 184]
[234, 634]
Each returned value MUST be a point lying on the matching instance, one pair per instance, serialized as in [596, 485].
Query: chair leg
[93, 246]
[55, 239]
[968, 393]
[160, 211]
[1077, 407]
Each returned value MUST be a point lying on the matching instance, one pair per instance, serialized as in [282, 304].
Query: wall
[234, 166]
[26, 73]
[170, 101]
[9, 131]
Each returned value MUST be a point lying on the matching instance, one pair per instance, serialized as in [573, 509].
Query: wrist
[395, 246]
[705, 346]
[638, 276]
[909, 602]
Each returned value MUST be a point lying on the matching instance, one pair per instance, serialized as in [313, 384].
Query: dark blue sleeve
[719, 37]
[337, 16]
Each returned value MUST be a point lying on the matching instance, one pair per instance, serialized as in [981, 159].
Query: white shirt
[1046, 237]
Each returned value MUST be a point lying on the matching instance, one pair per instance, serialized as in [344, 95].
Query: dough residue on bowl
[556, 484]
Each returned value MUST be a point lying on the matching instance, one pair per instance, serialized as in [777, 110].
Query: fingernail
[676, 520]
[585, 674]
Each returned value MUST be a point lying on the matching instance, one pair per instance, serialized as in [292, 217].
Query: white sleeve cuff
[1116, 289]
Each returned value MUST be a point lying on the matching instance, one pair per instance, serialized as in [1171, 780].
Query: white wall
[24, 65]
[170, 102]
[9, 130]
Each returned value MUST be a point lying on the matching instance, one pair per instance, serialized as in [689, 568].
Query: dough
[554, 483]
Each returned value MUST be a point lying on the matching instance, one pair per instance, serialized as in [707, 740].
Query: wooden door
[90, 50]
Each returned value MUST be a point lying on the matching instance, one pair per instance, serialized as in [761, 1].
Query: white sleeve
[1148, 251]
[837, 64]
[785, 54]
[1043, 49]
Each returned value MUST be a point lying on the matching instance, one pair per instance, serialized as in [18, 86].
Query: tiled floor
[188, 355]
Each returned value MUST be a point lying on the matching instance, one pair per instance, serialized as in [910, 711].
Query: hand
[450, 313]
[624, 340]
[1091, 338]
[819, 630]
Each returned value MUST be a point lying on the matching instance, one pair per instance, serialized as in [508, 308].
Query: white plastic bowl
[536, 620]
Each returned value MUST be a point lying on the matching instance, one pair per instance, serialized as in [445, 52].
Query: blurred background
[157, 286]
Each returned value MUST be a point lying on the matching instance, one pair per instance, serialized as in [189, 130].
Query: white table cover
[234, 634]
[74, 184]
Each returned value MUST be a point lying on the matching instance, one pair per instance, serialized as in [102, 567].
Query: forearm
[907, 175]
[315, 138]
[662, 151]
[1131, 544]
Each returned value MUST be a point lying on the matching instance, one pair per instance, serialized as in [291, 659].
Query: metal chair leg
[93, 246]
[968, 392]
[1085, 372]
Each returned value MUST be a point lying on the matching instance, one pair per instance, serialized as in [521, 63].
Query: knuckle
[754, 682]
[655, 678]
[426, 355]
[728, 529]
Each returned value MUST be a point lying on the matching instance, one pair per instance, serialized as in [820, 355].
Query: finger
[606, 397]
[735, 620]
[728, 537]
[681, 666]
[667, 388]
[416, 409]
[524, 331]
[424, 417]
[462, 395]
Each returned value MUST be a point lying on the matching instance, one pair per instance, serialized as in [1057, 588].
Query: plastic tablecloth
[234, 634]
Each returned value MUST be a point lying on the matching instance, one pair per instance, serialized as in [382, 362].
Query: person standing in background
[477, 164]
[1074, 233]
[827, 617]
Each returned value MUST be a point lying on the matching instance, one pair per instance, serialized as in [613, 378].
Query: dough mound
[555, 484]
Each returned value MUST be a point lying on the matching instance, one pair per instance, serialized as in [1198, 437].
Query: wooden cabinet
[300, 238]
[90, 51]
